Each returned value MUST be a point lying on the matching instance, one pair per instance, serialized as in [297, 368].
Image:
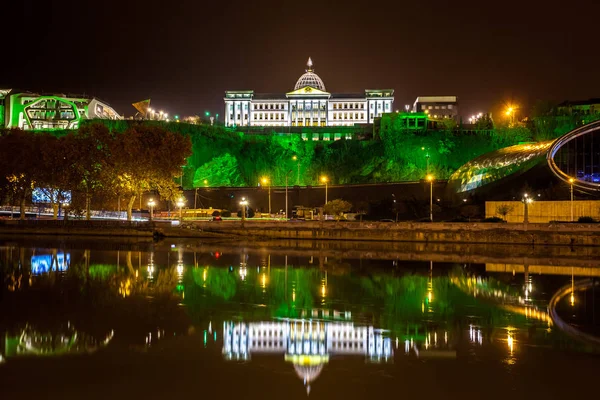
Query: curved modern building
[573, 158]
[32, 111]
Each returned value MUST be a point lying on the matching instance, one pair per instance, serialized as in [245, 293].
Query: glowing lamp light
[180, 202]
[151, 203]
[324, 179]
[430, 178]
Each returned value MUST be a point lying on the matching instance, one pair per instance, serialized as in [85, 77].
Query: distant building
[584, 107]
[437, 107]
[32, 111]
[309, 104]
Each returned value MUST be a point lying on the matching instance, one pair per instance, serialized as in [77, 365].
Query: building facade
[309, 104]
[437, 107]
[31, 111]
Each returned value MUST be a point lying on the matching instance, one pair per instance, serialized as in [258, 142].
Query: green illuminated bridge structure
[573, 158]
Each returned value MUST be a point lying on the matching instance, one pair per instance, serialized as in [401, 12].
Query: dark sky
[185, 53]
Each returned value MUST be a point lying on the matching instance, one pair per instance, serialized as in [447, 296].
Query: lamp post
[571, 181]
[286, 193]
[426, 159]
[295, 158]
[430, 179]
[244, 204]
[180, 204]
[265, 181]
[325, 180]
[526, 201]
[151, 204]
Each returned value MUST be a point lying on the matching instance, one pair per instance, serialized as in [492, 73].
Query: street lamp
[151, 204]
[244, 204]
[426, 158]
[571, 181]
[265, 181]
[180, 204]
[511, 111]
[295, 158]
[286, 193]
[325, 180]
[526, 201]
[430, 179]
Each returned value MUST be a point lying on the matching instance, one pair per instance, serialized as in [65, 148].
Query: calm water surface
[97, 319]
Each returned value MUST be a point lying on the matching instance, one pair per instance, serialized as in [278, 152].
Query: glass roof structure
[499, 164]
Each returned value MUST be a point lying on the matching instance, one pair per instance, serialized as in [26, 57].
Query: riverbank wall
[564, 234]
[498, 233]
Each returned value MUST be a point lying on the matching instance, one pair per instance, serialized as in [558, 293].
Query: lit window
[443, 107]
[429, 107]
[449, 106]
[423, 107]
[437, 107]
[335, 106]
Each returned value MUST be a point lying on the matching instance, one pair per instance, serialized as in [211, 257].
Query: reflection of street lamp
[180, 204]
[325, 180]
[572, 288]
[430, 179]
[295, 158]
[151, 204]
[265, 181]
[571, 181]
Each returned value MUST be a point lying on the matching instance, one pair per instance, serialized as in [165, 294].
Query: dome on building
[310, 79]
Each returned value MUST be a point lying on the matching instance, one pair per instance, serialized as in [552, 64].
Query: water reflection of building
[34, 341]
[307, 344]
[44, 263]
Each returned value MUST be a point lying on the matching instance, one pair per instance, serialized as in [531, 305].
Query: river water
[135, 319]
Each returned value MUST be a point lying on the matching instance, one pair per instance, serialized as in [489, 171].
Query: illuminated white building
[309, 104]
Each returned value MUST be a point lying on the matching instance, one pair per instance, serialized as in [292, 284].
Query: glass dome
[309, 78]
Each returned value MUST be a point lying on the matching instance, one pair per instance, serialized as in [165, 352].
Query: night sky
[185, 53]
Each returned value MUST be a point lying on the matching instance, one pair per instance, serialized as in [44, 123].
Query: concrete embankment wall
[77, 228]
[538, 234]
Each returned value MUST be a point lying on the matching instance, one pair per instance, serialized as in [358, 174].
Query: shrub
[493, 219]
[586, 220]
[216, 213]
[226, 214]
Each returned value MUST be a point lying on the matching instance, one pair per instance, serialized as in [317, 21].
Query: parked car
[217, 218]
